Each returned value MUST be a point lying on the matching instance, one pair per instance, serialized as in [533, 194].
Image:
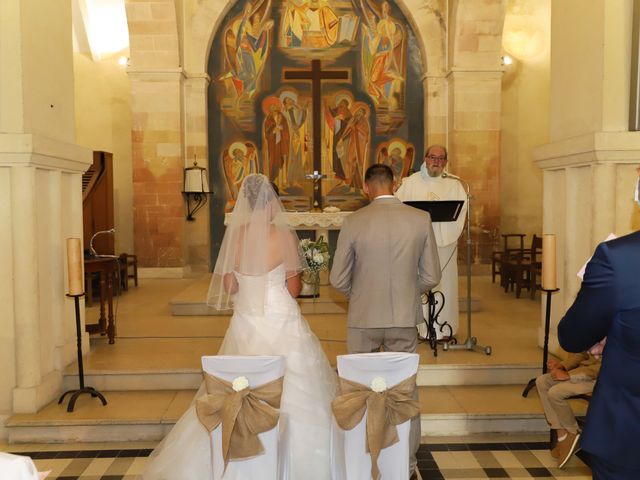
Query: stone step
[192, 302]
[190, 378]
[149, 415]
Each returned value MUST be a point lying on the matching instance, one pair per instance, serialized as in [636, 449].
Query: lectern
[440, 211]
[448, 211]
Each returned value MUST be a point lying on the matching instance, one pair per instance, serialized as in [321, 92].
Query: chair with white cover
[351, 460]
[258, 370]
[18, 467]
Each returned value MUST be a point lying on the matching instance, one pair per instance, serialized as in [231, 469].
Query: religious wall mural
[312, 87]
[247, 43]
[318, 28]
[238, 160]
[383, 63]
[347, 134]
[398, 155]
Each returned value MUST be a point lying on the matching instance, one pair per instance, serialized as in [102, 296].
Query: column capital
[27, 149]
[156, 74]
[587, 149]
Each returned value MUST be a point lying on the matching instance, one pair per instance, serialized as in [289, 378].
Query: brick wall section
[157, 138]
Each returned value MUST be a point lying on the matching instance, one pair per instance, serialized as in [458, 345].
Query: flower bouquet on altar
[316, 254]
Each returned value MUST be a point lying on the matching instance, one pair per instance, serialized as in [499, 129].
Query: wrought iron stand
[90, 390]
[545, 347]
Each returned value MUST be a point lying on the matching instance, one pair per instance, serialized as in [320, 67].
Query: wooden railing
[97, 202]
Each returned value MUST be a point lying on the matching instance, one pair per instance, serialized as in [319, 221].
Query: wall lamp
[195, 188]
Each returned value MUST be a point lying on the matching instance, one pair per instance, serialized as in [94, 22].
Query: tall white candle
[549, 273]
[74, 265]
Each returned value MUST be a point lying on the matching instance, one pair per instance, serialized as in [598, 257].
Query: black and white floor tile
[467, 461]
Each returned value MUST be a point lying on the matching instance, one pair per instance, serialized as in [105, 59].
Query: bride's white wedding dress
[309, 386]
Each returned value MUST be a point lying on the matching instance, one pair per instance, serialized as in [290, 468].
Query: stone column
[589, 164]
[474, 147]
[158, 168]
[436, 96]
[197, 233]
[40, 178]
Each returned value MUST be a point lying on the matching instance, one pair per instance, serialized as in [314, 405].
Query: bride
[258, 275]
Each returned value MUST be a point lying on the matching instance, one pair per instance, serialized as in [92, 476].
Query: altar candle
[549, 274]
[74, 266]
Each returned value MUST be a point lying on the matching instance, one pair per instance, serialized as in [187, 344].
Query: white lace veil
[257, 240]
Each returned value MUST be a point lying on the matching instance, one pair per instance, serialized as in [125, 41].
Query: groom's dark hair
[379, 173]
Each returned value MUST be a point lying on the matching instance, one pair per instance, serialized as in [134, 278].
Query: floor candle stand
[89, 390]
[545, 347]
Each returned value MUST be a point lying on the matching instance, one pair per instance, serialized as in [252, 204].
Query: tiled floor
[436, 461]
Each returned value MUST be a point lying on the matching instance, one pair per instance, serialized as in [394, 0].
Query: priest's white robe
[420, 186]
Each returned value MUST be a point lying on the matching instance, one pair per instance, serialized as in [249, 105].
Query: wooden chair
[517, 270]
[128, 269]
[535, 275]
[513, 243]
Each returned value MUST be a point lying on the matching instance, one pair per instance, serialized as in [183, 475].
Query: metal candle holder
[90, 390]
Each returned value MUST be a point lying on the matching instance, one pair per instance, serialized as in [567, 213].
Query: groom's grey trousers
[392, 339]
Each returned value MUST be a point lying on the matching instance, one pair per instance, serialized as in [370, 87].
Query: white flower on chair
[378, 384]
[240, 383]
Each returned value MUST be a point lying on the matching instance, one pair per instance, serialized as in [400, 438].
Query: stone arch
[204, 22]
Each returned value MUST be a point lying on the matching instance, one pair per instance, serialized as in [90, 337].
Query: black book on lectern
[440, 210]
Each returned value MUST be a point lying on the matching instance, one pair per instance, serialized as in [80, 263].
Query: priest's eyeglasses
[438, 159]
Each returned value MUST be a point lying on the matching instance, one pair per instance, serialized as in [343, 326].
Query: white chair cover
[351, 459]
[258, 370]
[17, 467]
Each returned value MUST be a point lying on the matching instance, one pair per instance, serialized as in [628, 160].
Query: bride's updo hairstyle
[257, 240]
[254, 190]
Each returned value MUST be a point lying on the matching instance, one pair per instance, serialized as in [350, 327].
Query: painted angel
[383, 54]
[247, 42]
[398, 156]
[238, 160]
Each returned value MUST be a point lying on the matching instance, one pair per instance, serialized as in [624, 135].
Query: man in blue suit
[608, 305]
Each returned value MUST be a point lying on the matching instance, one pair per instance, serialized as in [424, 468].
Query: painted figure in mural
[238, 161]
[354, 145]
[276, 140]
[321, 27]
[398, 155]
[247, 45]
[337, 119]
[294, 22]
[296, 117]
[383, 54]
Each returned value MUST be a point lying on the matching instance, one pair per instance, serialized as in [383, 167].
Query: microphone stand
[471, 343]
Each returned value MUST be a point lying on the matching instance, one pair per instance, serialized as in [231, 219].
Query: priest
[430, 184]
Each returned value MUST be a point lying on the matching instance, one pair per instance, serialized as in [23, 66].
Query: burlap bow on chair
[243, 414]
[385, 410]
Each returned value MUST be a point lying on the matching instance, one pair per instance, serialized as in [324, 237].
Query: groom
[385, 259]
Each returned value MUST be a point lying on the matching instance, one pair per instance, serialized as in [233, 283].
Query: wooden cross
[316, 75]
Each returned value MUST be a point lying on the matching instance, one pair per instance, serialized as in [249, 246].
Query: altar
[319, 222]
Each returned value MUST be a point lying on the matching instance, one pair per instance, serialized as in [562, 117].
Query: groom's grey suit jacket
[385, 259]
